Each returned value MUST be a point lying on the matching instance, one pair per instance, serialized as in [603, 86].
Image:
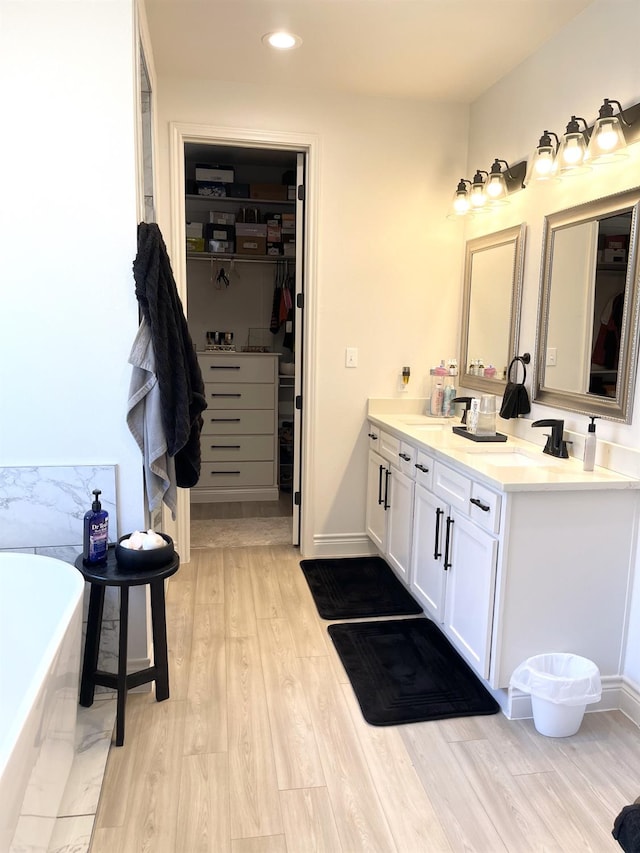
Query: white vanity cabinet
[390, 493]
[453, 561]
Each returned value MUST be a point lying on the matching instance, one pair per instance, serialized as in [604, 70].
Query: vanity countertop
[514, 465]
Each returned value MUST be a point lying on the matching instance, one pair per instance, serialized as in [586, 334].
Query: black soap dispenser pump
[590, 446]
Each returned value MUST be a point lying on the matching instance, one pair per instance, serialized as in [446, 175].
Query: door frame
[179, 134]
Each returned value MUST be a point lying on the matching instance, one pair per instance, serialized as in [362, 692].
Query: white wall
[68, 232]
[594, 57]
[388, 261]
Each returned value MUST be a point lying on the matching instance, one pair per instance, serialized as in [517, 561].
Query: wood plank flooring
[262, 747]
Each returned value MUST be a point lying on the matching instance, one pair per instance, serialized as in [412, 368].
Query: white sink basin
[421, 420]
[508, 458]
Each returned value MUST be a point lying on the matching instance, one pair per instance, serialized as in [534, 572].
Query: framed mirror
[491, 308]
[587, 336]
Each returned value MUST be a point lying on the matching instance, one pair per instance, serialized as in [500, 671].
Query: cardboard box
[212, 188]
[219, 174]
[221, 247]
[612, 241]
[193, 229]
[251, 245]
[251, 229]
[195, 244]
[615, 256]
[291, 193]
[213, 231]
[221, 217]
[270, 192]
[274, 233]
[274, 248]
[289, 250]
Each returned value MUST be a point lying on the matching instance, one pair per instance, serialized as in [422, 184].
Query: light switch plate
[552, 356]
[351, 357]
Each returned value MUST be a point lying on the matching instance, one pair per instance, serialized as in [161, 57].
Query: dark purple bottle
[96, 532]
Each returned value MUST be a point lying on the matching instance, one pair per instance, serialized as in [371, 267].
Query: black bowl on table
[130, 560]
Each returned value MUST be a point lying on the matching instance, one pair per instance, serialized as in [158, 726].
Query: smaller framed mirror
[492, 298]
[587, 338]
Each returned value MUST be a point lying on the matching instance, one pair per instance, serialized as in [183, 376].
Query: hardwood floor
[262, 747]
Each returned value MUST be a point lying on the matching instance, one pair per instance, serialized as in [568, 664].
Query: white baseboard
[618, 694]
[259, 493]
[342, 545]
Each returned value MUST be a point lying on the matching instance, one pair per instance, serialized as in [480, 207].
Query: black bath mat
[357, 587]
[406, 671]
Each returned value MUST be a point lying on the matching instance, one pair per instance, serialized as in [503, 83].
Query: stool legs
[91, 645]
[159, 623]
[122, 664]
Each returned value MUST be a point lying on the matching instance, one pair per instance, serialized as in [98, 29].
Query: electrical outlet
[351, 357]
[552, 356]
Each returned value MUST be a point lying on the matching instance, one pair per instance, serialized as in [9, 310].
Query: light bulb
[544, 163]
[461, 204]
[478, 198]
[282, 40]
[572, 153]
[494, 188]
[607, 137]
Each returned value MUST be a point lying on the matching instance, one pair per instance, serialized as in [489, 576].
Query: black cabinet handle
[422, 468]
[224, 367]
[437, 554]
[225, 447]
[447, 543]
[226, 395]
[225, 420]
[380, 470]
[372, 436]
[477, 502]
[387, 474]
[405, 456]
[224, 472]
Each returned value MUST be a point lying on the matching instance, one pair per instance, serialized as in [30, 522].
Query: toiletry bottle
[472, 416]
[96, 532]
[590, 446]
[447, 401]
[437, 395]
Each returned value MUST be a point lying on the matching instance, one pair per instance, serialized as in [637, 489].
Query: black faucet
[467, 406]
[556, 445]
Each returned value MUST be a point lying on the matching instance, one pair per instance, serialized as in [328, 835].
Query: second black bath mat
[406, 671]
[356, 588]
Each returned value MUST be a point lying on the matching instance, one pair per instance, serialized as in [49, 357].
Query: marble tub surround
[44, 506]
[74, 825]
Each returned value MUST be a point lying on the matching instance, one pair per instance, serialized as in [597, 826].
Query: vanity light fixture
[496, 187]
[478, 194]
[572, 151]
[607, 141]
[542, 164]
[461, 205]
[282, 40]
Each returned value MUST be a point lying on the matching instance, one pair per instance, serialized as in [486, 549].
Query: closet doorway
[244, 237]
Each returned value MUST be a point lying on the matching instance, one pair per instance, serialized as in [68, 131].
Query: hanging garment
[144, 419]
[606, 350]
[179, 377]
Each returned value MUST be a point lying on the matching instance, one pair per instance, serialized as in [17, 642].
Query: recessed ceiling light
[282, 40]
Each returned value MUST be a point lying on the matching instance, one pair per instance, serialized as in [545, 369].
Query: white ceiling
[443, 50]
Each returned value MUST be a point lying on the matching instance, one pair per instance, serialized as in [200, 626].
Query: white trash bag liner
[563, 679]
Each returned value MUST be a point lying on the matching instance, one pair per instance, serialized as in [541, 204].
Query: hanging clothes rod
[241, 259]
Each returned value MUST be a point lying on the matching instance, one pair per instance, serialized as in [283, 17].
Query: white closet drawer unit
[226, 448]
[237, 368]
[240, 396]
[224, 475]
[239, 422]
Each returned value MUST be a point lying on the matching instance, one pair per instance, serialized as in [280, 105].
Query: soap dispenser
[96, 532]
[590, 446]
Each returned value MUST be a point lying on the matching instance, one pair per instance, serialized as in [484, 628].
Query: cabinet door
[470, 591]
[428, 577]
[400, 524]
[376, 518]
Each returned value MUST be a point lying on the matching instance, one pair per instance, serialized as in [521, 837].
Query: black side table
[109, 574]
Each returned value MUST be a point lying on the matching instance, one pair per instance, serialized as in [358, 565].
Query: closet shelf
[246, 202]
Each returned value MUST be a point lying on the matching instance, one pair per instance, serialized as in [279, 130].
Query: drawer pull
[224, 367]
[224, 472]
[225, 447]
[405, 456]
[372, 436]
[447, 544]
[225, 420]
[477, 502]
[422, 468]
[436, 552]
[226, 395]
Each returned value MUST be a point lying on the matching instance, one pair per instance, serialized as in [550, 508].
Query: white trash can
[561, 686]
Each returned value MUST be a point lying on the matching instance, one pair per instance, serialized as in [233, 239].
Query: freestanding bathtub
[40, 636]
